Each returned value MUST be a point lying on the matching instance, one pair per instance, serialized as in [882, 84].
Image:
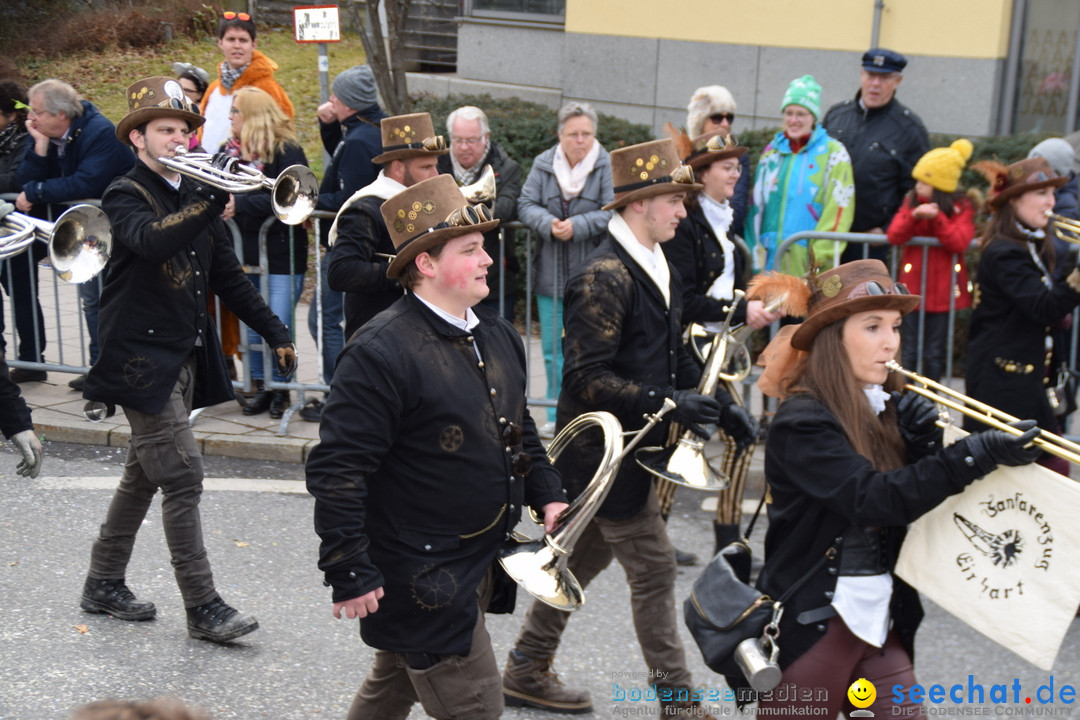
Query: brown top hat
[155, 97]
[648, 169]
[713, 146]
[427, 214]
[851, 288]
[406, 136]
[1019, 178]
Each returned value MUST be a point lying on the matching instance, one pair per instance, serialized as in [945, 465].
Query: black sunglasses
[721, 117]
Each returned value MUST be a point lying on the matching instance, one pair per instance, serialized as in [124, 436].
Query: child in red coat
[934, 208]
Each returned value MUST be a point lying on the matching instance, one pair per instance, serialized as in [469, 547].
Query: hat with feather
[1017, 179]
[704, 150]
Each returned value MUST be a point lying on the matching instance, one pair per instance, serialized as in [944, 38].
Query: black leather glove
[693, 410]
[224, 161]
[990, 448]
[740, 425]
[286, 358]
[917, 417]
[216, 197]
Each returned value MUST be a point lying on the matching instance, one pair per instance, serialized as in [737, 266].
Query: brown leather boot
[530, 682]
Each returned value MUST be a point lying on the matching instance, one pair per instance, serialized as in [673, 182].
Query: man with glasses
[885, 139]
[471, 148]
[360, 247]
[74, 154]
[426, 457]
[243, 65]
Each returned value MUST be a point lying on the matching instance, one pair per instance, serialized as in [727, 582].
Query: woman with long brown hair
[850, 462]
[1018, 301]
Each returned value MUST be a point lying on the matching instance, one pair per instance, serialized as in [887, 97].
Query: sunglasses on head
[470, 215]
[230, 15]
[721, 117]
[872, 288]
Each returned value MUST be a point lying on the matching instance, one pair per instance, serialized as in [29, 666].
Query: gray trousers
[642, 547]
[457, 687]
[162, 455]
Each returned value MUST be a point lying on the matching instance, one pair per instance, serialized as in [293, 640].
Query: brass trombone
[1065, 228]
[293, 193]
[997, 419]
[80, 241]
[539, 566]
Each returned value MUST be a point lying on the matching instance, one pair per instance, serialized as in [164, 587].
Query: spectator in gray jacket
[561, 202]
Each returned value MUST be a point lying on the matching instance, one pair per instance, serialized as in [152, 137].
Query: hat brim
[405, 154]
[428, 240]
[134, 119]
[708, 158]
[651, 191]
[803, 337]
[1008, 193]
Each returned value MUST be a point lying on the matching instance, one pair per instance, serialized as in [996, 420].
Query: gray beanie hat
[355, 87]
[1058, 152]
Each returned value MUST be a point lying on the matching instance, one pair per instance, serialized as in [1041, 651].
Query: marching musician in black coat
[623, 353]
[1018, 300]
[849, 465]
[427, 455]
[160, 356]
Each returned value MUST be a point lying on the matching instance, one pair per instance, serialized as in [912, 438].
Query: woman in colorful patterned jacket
[804, 182]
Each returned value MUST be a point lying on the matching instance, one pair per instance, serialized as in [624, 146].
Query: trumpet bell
[535, 565]
[294, 194]
[683, 463]
[80, 244]
[483, 190]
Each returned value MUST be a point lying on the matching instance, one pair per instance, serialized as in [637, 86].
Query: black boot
[218, 622]
[725, 535]
[279, 403]
[114, 598]
[259, 401]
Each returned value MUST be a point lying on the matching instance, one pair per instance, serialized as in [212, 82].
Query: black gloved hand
[693, 410]
[990, 448]
[224, 162]
[917, 417]
[286, 358]
[743, 427]
[216, 197]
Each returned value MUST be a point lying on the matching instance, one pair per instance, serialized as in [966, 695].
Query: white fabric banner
[1004, 557]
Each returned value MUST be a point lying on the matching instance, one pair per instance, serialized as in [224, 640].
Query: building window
[535, 10]
[1045, 85]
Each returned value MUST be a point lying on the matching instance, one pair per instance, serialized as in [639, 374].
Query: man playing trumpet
[160, 356]
[623, 353]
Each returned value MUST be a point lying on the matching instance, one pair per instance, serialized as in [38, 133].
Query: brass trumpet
[539, 566]
[80, 241]
[997, 419]
[1065, 228]
[293, 193]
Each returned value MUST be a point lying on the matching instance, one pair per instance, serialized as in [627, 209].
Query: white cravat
[652, 262]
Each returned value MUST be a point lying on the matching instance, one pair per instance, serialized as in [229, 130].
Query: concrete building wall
[651, 79]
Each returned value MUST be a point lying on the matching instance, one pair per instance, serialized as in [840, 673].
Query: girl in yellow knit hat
[935, 208]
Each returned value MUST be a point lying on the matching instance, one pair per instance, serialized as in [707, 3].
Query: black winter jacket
[354, 267]
[623, 353]
[819, 487]
[169, 249]
[884, 144]
[252, 210]
[1013, 313]
[414, 485]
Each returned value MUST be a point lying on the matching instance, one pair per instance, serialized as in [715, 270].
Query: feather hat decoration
[683, 144]
[784, 292]
[1017, 179]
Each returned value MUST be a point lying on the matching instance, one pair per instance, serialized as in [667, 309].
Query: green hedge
[526, 129]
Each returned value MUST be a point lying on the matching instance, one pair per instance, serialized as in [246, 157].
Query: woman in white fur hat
[713, 108]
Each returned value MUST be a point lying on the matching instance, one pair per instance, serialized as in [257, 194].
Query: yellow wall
[948, 28]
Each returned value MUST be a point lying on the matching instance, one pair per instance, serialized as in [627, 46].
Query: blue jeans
[284, 293]
[331, 303]
[550, 311]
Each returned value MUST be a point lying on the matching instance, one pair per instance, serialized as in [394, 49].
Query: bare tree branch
[384, 52]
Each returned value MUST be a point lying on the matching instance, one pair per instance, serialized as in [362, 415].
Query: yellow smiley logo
[862, 693]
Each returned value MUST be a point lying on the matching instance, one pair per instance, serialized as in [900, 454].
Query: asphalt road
[302, 663]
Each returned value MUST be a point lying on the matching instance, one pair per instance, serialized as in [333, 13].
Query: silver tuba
[293, 193]
[539, 566]
[80, 240]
